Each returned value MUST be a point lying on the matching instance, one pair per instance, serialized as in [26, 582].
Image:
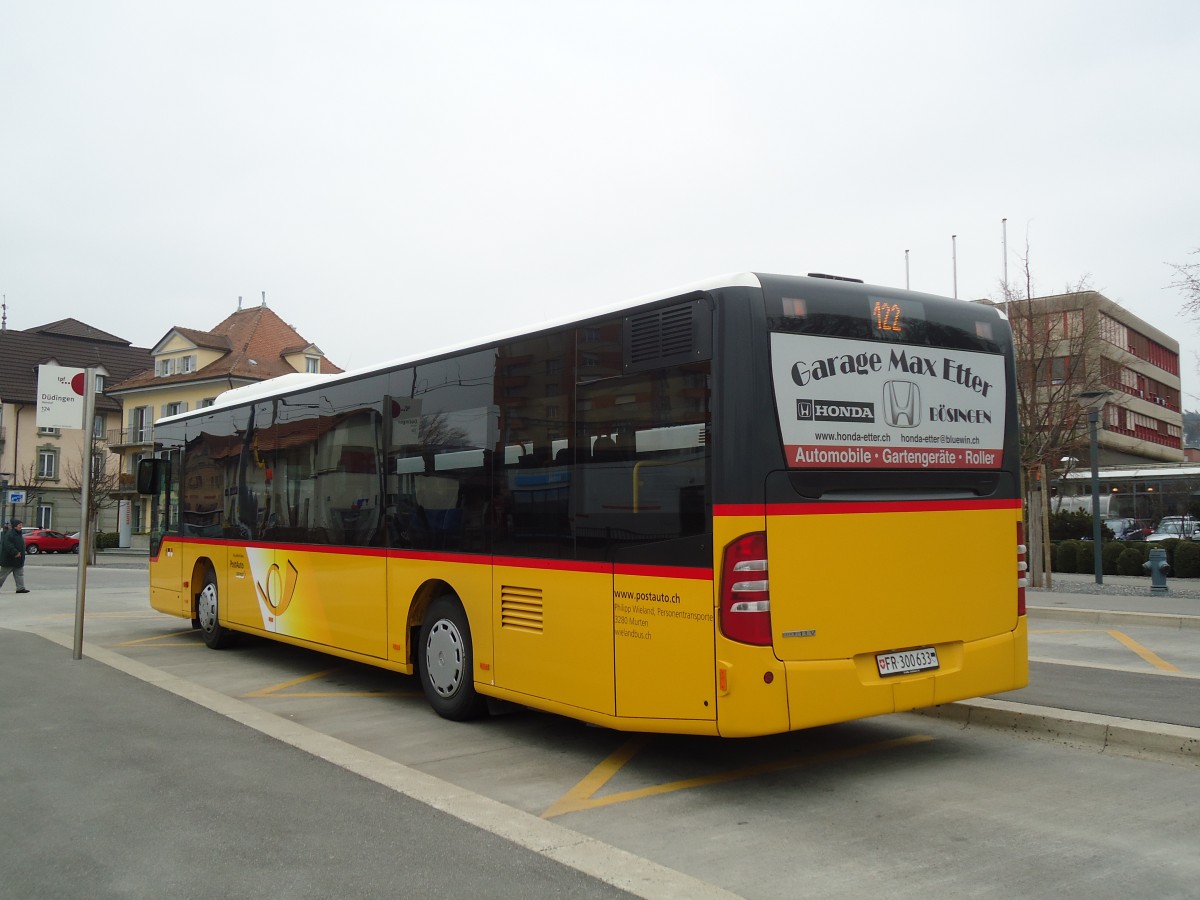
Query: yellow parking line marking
[311, 694]
[110, 615]
[579, 797]
[278, 689]
[1144, 652]
[283, 686]
[582, 796]
[151, 641]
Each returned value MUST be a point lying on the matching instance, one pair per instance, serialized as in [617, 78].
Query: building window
[98, 430]
[173, 409]
[140, 425]
[45, 516]
[53, 432]
[48, 464]
[312, 365]
[207, 401]
[166, 367]
[187, 364]
[1060, 369]
[99, 383]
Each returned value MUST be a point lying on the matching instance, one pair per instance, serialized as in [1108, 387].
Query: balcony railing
[130, 437]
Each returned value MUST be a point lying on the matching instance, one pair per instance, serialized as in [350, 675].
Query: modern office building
[1092, 343]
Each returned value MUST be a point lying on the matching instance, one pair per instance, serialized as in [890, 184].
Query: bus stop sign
[60, 397]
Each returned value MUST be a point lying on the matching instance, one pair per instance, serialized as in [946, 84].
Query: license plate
[906, 661]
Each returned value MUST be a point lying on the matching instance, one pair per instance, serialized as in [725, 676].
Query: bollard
[1158, 568]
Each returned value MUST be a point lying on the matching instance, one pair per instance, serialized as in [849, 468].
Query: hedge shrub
[1187, 560]
[1085, 558]
[1111, 553]
[1130, 561]
[1070, 525]
[1065, 556]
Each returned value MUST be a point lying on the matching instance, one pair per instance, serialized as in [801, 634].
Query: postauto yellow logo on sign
[275, 586]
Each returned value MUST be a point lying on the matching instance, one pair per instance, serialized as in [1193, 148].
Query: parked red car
[43, 540]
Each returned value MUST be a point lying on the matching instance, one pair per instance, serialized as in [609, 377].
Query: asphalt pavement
[147, 796]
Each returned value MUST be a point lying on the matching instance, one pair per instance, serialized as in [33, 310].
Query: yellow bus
[750, 505]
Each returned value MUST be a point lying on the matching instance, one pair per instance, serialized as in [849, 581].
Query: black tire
[75, 549]
[215, 635]
[447, 662]
[32, 549]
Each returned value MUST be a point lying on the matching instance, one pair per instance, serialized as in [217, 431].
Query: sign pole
[85, 505]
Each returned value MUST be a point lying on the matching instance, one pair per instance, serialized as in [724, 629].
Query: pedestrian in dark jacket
[12, 556]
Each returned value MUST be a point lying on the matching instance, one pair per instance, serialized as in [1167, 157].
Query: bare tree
[29, 480]
[1057, 355]
[1187, 282]
[103, 489]
[1056, 342]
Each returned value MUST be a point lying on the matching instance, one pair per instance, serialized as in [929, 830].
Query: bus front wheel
[215, 636]
[447, 662]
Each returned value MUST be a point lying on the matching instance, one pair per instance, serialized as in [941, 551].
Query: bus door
[166, 557]
[552, 611]
[648, 501]
[318, 477]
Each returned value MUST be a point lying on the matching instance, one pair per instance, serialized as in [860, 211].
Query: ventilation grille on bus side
[667, 336]
[521, 608]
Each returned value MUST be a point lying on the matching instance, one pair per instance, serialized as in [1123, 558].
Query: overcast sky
[402, 176]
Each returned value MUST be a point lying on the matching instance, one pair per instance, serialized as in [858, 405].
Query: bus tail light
[1022, 568]
[745, 591]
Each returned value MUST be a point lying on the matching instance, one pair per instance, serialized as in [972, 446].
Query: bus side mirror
[149, 475]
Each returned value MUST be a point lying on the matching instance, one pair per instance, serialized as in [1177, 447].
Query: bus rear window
[850, 403]
[871, 314]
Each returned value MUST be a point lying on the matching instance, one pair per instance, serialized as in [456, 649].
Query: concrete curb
[1114, 617]
[1177, 744]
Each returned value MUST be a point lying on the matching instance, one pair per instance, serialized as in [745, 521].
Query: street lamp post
[1093, 402]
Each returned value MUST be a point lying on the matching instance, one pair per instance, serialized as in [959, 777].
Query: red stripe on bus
[819, 508]
[479, 559]
[836, 509]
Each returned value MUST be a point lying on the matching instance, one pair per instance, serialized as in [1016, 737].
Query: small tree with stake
[102, 490]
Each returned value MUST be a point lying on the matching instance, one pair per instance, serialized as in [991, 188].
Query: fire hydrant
[1159, 568]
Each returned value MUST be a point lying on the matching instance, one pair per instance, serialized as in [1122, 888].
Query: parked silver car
[1182, 527]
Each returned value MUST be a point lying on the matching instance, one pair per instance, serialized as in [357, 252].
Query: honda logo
[901, 404]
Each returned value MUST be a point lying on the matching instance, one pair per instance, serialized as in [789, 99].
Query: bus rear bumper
[822, 692]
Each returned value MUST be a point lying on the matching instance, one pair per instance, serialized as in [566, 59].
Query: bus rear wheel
[207, 608]
[446, 662]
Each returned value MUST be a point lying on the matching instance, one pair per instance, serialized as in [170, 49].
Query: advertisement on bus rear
[850, 404]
